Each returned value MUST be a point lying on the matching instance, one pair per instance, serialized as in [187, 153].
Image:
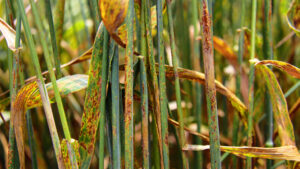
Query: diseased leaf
[280, 110]
[70, 154]
[276, 153]
[29, 97]
[293, 16]
[288, 68]
[9, 34]
[91, 115]
[221, 46]
[18, 117]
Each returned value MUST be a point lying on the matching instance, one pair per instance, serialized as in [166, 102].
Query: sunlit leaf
[288, 68]
[293, 16]
[9, 34]
[276, 153]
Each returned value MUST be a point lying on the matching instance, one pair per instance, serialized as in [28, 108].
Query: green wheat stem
[177, 84]
[292, 89]
[51, 72]
[84, 20]
[53, 38]
[251, 82]
[235, 128]
[59, 16]
[198, 88]
[42, 88]
[268, 54]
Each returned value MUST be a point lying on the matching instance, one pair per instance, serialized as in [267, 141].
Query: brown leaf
[9, 34]
[276, 153]
[113, 13]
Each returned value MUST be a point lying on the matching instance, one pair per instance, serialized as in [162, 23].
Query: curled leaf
[288, 68]
[9, 34]
[279, 105]
[113, 13]
[29, 97]
[200, 77]
[276, 153]
[293, 16]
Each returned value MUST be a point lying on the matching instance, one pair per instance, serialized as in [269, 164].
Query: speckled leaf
[91, 115]
[288, 68]
[276, 153]
[70, 154]
[9, 34]
[280, 110]
[293, 16]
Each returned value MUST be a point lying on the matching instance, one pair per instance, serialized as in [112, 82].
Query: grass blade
[128, 114]
[116, 158]
[51, 72]
[103, 99]
[251, 81]
[53, 37]
[92, 110]
[47, 108]
[145, 115]
[208, 58]
[162, 87]
[177, 84]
